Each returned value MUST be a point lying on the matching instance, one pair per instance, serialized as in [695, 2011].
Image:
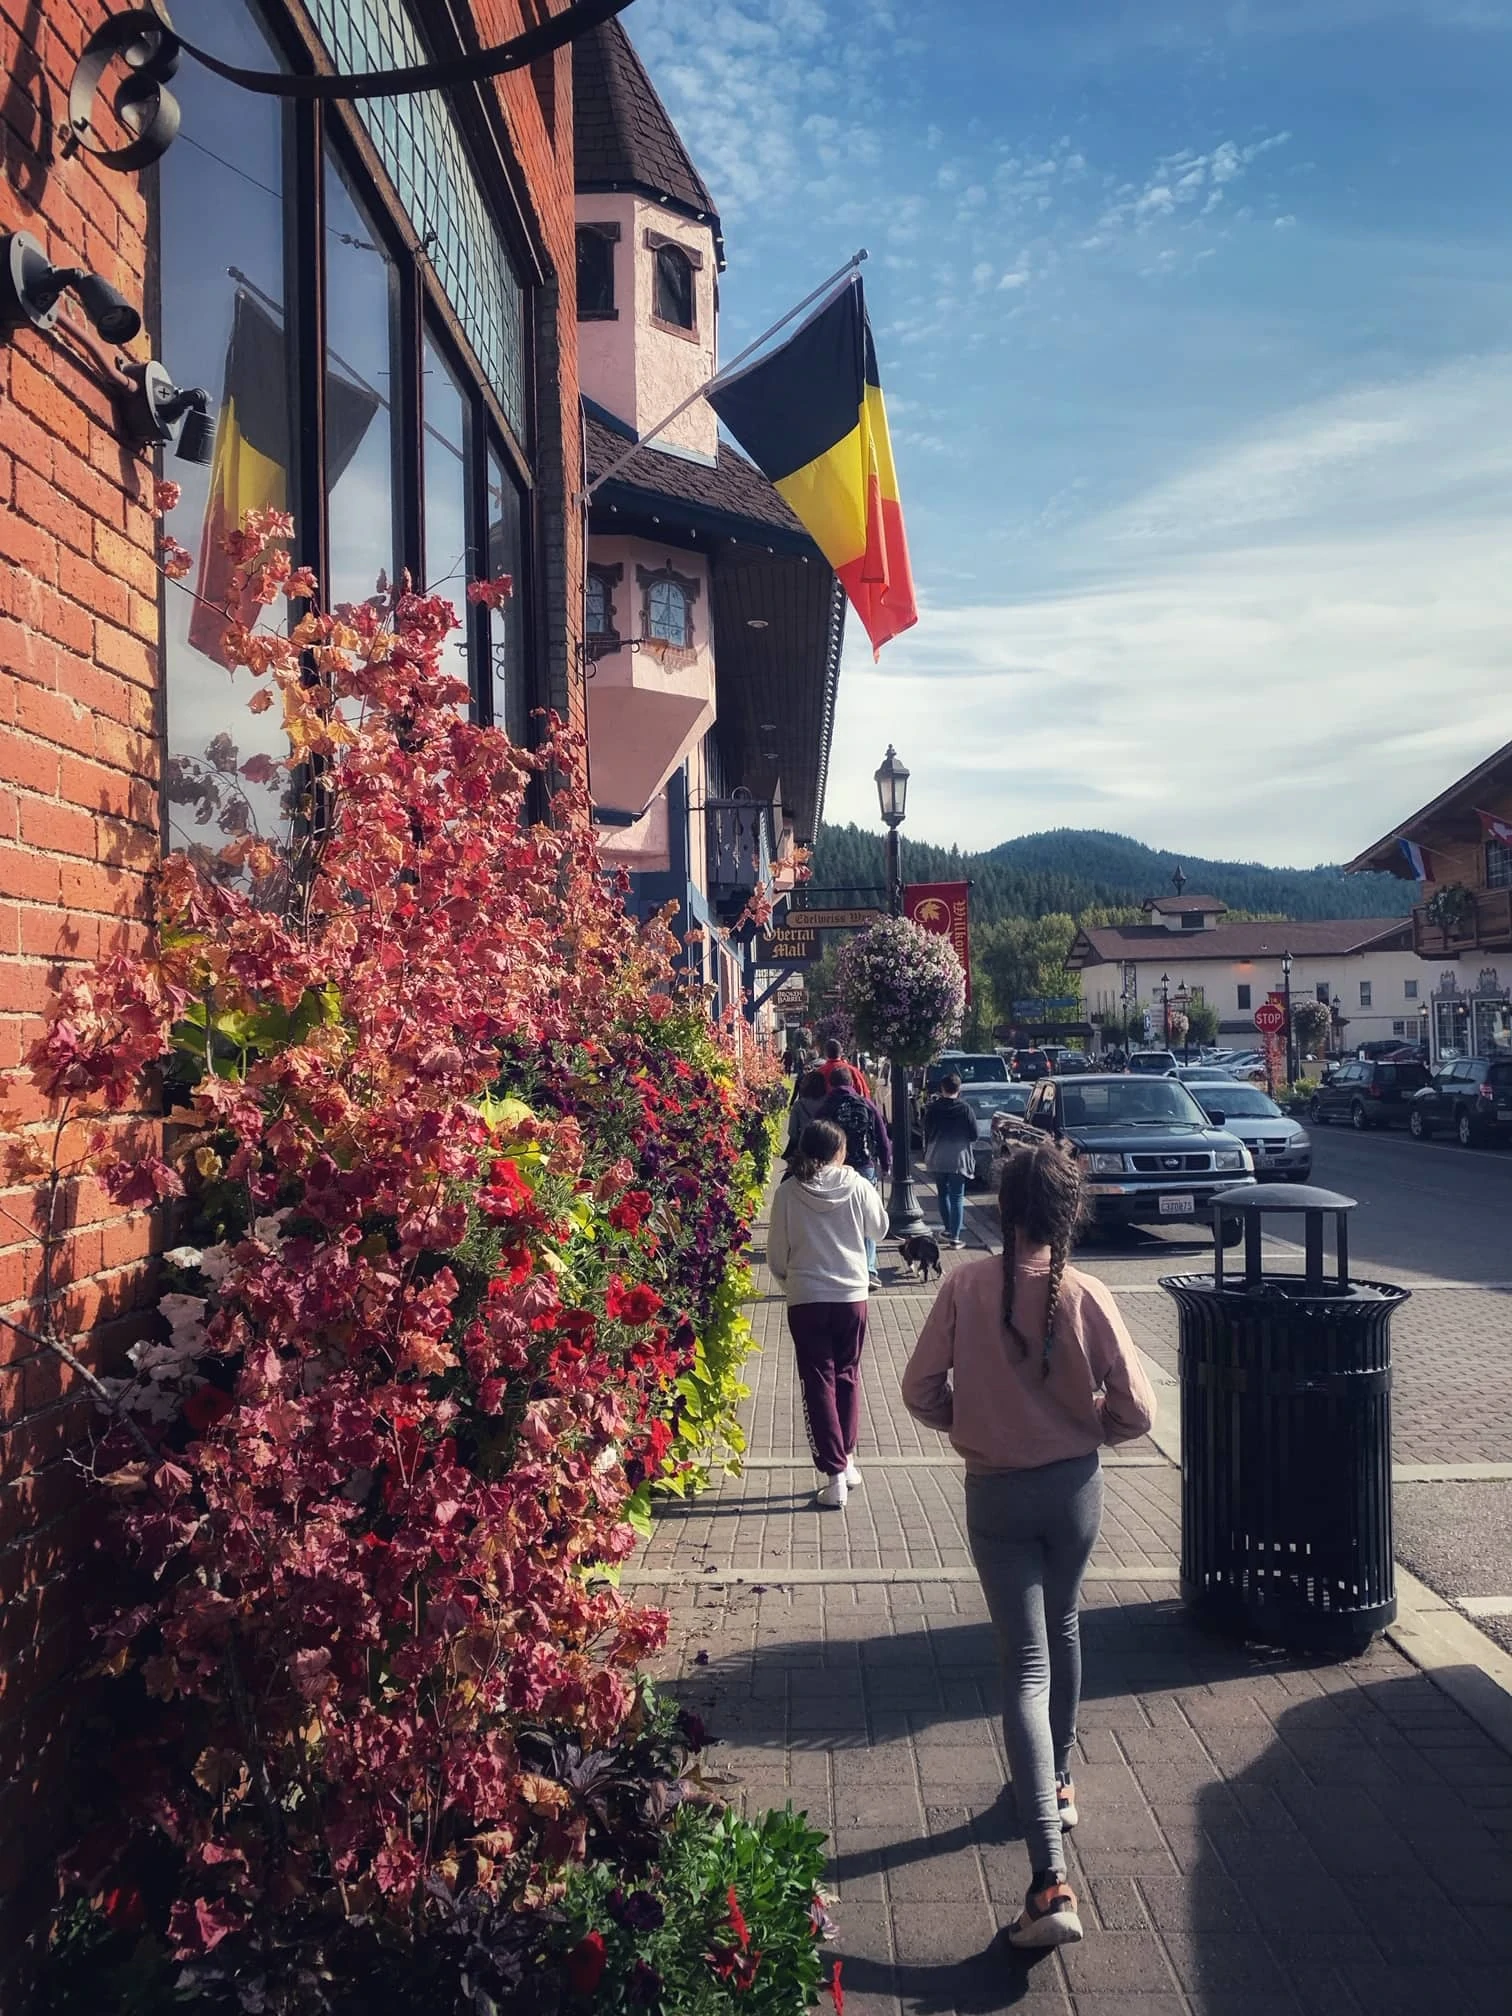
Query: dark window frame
[1243, 990]
[1498, 864]
[606, 235]
[608, 578]
[310, 130]
[661, 248]
[648, 578]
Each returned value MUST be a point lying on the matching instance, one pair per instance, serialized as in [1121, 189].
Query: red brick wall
[78, 833]
[79, 804]
[538, 112]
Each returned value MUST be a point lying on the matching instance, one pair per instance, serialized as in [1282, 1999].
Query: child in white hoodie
[816, 1247]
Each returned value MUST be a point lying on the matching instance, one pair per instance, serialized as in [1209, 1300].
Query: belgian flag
[811, 417]
[250, 471]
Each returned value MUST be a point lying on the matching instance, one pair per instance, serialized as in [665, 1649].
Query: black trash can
[1286, 1435]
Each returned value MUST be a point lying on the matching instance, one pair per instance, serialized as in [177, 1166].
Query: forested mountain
[1070, 871]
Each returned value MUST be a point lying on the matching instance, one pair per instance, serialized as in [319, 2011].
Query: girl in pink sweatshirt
[1026, 1364]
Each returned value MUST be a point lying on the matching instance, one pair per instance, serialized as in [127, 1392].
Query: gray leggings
[1032, 1533]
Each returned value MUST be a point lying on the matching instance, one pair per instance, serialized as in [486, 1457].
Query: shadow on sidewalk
[1261, 1832]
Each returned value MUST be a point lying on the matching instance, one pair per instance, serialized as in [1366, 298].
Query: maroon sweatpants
[828, 1338]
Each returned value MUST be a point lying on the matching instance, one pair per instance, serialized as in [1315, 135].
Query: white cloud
[1271, 657]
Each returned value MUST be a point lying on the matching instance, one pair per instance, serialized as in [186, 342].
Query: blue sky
[1195, 323]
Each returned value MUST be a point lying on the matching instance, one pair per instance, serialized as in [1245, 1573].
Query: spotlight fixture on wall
[156, 405]
[31, 288]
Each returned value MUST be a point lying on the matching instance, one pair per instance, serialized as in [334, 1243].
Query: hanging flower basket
[1450, 909]
[903, 989]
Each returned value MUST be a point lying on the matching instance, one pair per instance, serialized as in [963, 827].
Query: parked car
[1149, 1152]
[987, 1102]
[1070, 1062]
[1281, 1149]
[1030, 1065]
[1153, 1063]
[1471, 1098]
[1368, 1093]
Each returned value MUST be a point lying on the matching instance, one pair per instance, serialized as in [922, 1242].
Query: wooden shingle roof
[623, 135]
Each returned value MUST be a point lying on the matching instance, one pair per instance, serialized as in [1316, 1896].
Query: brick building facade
[401, 276]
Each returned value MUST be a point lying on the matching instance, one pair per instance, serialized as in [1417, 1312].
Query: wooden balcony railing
[1487, 927]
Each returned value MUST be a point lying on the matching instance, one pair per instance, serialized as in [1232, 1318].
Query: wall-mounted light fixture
[156, 405]
[31, 289]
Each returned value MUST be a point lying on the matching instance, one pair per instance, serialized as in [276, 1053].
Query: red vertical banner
[942, 907]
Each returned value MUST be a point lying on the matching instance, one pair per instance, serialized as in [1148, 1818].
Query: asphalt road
[1425, 1207]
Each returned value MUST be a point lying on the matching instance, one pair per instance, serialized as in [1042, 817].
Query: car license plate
[1177, 1207]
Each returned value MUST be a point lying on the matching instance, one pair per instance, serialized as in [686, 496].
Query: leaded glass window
[423, 150]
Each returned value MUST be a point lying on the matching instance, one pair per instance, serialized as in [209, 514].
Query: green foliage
[1202, 1020]
[773, 1866]
[1073, 872]
[1310, 1024]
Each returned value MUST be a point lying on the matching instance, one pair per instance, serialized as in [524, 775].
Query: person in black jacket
[950, 1137]
[867, 1146]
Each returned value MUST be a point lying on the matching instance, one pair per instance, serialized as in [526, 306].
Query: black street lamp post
[1165, 1007]
[903, 1215]
[1291, 1061]
[1183, 1002]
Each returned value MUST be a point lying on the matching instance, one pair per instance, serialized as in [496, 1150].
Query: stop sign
[1270, 1019]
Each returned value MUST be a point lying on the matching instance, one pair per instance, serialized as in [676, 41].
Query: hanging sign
[943, 908]
[791, 944]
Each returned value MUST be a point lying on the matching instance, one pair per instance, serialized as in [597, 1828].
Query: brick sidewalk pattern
[1261, 1834]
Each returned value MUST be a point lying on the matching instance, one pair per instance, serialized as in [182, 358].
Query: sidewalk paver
[1261, 1834]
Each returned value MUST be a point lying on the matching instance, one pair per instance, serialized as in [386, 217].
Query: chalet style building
[1458, 849]
[713, 624]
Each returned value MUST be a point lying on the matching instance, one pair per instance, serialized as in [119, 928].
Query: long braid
[1041, 1203]
[1010, 1270]
[1060, 1248]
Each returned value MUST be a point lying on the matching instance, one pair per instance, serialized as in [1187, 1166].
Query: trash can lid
[1282, 1197]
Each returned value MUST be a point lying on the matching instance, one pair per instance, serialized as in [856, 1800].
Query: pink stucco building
[713, 623]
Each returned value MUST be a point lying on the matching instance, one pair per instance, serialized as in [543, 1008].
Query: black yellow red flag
[811, 417]
[250, 471]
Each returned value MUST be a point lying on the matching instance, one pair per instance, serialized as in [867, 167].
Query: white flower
[215, 1263]
[186, 1257]
[270, 1229]
[185, 1317]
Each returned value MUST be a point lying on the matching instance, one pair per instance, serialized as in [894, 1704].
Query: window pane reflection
[447, 571]
[505, 556]
[359, 379]
[222, 289]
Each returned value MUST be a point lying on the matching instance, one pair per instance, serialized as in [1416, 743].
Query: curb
[1440, 1640]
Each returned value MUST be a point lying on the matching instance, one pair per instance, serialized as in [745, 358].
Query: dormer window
[595, 272]
[674, 296]
[667, 607]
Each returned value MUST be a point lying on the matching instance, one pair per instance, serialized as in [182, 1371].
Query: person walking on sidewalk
[811, 1095]
[821, 1225]
[950, 1138]
[1025, 1363]
[868, 1146]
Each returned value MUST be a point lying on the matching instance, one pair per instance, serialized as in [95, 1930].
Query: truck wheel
[1315, 1112]
[1359, 1119]
[1417, 1125]
[1469, 1134]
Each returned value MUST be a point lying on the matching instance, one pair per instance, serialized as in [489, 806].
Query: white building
[1363, 965]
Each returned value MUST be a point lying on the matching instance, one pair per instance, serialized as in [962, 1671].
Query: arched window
[601, 585]
[667, 599]
[674, 301]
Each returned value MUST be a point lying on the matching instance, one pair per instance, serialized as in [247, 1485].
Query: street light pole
[904, 1218]
[1291, 1062]
[1165, 1007]
[1183, 1005]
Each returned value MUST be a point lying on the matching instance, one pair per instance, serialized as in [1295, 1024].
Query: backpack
[853, 1117]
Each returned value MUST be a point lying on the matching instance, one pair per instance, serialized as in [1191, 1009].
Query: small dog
[920, 1254]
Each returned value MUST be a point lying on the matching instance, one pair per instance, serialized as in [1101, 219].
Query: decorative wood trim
[609, 230]
[647, 578]
[657, 241]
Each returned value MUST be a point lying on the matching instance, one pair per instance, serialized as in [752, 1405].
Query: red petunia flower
[586, 1963]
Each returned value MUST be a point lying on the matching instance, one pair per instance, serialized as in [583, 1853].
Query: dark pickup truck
[1149, 1154]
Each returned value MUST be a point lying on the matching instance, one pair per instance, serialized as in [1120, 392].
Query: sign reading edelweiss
[943, 909]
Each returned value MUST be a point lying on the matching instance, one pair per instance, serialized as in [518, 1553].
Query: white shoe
[833, 1494]
[852, 1474]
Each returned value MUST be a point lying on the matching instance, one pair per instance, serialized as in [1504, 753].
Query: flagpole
[724, 371]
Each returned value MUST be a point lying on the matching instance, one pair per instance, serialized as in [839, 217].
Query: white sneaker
[852, 1474]
[833, 1494]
